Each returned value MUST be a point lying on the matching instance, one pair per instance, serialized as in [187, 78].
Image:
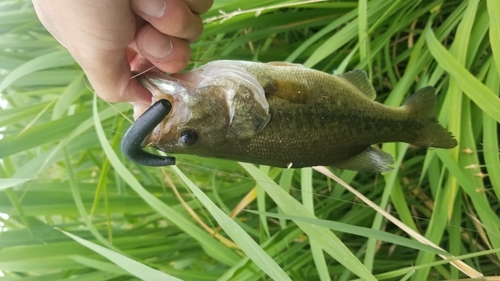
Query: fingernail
[157, 44]
[152, 8]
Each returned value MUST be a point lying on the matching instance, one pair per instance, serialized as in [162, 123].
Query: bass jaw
[140, 129]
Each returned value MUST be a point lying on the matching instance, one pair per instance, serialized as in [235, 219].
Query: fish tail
[422, 106]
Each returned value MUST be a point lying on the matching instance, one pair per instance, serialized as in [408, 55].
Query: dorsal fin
[359, 80]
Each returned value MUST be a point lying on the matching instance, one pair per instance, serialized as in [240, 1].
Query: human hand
[111, 38]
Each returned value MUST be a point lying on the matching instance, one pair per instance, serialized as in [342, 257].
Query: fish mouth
[159, 83]
[165, 87]
[135, 135]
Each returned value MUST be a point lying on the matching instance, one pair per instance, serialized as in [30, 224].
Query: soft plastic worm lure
[134, 137]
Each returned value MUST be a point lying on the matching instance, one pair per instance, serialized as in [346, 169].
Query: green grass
[77, 209]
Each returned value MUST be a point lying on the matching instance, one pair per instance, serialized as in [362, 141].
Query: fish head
[206, 113]
[199, 117]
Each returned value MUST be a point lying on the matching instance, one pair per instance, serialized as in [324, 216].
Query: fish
[287, 115]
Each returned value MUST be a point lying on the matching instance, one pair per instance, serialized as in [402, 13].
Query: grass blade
[325, 238]
[12, 182]
[475, 90]
[213, 246]
[131, 266]
[494, 13]
[239, 236]
[51, 60]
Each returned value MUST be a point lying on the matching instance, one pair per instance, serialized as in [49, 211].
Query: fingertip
[199, 7]
[156, 44]
[176, 19]
[167, 53]
[118, 86]
[150, 8]
[133, 93]
[139, 109]
[137, 94]
[173, 66]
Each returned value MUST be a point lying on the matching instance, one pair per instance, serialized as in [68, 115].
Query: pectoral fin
[289, 90]
[370, 160]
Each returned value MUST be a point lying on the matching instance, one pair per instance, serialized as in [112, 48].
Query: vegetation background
[73, 208]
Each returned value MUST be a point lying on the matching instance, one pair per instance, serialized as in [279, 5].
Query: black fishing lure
[134, 137]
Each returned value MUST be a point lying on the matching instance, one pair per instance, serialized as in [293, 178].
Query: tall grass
[78, 210]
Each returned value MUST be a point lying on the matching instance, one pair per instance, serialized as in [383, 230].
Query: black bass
[286, 115]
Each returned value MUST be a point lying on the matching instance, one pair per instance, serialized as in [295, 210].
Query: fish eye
[188, 137]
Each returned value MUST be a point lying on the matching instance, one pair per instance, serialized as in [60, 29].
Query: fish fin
[249, 116]
[422, 106]
[288, 90]
[370, 160]
[358, 79]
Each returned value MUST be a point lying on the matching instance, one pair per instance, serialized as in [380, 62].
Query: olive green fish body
[308, 117]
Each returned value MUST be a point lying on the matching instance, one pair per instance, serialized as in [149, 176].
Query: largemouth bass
[286, 115]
